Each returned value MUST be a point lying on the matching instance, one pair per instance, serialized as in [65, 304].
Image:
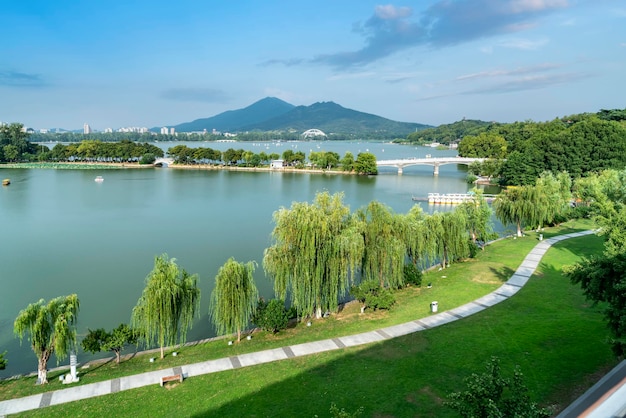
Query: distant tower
[86, 129]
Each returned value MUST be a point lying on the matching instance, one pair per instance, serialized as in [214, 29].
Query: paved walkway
[508, 289]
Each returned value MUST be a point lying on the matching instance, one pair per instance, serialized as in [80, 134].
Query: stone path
[508, 289]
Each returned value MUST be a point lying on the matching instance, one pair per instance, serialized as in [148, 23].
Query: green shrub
[372, 295]
[271, 316]
[147, 158]
[473, 249]
[412, 275]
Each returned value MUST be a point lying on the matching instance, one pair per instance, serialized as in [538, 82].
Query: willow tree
[449, 230]
[385, 248]
[478, 218]
[51, 328]
[417, 239]
[234, 297]
[516, 205]
[165, 311]
[317, 249]
[551, 196]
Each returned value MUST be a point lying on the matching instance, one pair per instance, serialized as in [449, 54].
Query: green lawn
[547, 328]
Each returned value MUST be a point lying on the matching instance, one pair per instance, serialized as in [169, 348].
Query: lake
[64, 233]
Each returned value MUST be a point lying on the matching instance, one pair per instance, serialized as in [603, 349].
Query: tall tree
[317, 250]
[365, 163]
[165, 311]
[51, 328]
[385, 248]
[478, 218]
[451, 236]
[234, 297]
[603, 280]
[515, 206]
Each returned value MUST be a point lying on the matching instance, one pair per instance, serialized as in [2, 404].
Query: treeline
[579, 144]
[97, 151]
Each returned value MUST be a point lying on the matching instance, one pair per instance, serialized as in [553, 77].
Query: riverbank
[108, 165]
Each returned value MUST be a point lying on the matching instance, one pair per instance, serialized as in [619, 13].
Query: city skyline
[157, 64]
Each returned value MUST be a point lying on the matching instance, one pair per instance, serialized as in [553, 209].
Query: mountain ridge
[273, 114]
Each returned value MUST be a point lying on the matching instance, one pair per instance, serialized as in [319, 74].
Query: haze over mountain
[272, 114]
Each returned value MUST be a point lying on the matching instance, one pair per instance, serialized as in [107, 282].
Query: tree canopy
[165, 311]
[51, 328]
[317, 248]
[234, 297]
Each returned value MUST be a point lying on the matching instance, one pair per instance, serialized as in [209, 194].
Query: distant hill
[233, 120]
[272, 114]
[333, 118]
[445, 134]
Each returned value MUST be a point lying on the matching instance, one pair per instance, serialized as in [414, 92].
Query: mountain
[333, 118]
[272, 114]
[233, 120]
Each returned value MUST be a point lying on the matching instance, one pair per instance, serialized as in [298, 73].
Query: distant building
[164, 130]
[172, 131]
[86, 129]
[276, 164]
[108, 130]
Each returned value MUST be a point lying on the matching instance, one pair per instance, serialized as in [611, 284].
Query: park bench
[172, 378]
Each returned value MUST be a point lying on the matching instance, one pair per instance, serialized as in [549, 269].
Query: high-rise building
[164, 130]
[86, 129]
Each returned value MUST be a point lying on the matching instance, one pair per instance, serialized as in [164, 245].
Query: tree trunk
[519, 229]
[42, 368]
[238, 335]
[318, 312]
[162, 353]
[117, 356]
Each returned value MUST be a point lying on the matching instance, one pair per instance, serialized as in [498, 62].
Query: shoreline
[96, 166]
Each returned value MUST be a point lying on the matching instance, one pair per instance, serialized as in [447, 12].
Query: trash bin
[433, 307]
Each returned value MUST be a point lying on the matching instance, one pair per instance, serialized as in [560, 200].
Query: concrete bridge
[163, 162]
[435, 162]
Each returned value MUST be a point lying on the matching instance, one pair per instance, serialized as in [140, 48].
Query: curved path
[508, 289]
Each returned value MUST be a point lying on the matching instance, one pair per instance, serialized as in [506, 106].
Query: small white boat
[99, 179]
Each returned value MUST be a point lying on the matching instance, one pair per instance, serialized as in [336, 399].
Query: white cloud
[390, 11]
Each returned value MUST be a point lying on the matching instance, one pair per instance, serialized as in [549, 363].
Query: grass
[547, 328]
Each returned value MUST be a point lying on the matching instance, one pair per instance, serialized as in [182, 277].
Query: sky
[152, 63]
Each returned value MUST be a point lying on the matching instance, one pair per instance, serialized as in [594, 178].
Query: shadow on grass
[503, 273]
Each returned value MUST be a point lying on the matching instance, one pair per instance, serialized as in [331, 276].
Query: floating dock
[451, 198]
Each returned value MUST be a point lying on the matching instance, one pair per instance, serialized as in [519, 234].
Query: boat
[452, 198]
[6, 182]
[99, 179]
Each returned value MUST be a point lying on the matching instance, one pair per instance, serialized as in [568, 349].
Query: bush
[147, 158]
[372, 295]
[271, 316]
[473, 249]
[412, 275]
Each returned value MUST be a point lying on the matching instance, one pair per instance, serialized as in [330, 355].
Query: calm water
[64, 233]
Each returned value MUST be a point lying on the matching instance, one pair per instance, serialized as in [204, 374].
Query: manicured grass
[547, 328]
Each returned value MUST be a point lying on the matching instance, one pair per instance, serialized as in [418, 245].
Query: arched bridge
[162, 162]
[435, 162]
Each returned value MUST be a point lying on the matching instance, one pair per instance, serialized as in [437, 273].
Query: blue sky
[158, 63]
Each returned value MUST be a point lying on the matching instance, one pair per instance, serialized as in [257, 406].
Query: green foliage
[603, 280]
[317, 247]
[385, 247]
[347, 162]
[478, 218]
[489, 395]
[445, 134]
[3, 361]
[147, 158]
[412, 275]
[372, 295]
[483, 145]
[335, 412]
[366, 163]
[51, 328]
[169, 302]
[101, 340]
[233, 298]
[271, 316]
